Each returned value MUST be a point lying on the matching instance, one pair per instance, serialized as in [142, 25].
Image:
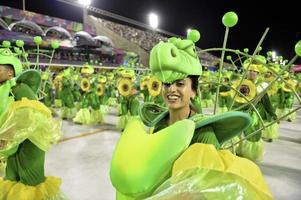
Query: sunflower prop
[154, 86]
[287, 87]
[247, 88]
[100, 89]
[124, 87]
[85, 84]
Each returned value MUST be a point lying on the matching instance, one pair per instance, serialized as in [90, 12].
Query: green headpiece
[176, 59]
[8, 58]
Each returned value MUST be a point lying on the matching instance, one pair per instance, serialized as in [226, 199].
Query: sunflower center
[125, 87]
[245, 90]
[155, 86]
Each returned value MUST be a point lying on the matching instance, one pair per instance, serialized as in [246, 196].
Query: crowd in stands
[147, 39]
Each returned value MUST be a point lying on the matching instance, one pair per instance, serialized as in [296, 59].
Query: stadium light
[153, 20]
[273, 55]
[84, 2]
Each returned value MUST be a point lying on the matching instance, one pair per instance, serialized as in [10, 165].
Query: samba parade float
[188, 155]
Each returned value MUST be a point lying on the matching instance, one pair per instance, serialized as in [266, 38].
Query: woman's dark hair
[194, 82]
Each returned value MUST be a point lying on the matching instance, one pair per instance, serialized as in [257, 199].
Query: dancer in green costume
[27, 131]
[286, 97]
[253, 147]
[90, 112]
[181, 159]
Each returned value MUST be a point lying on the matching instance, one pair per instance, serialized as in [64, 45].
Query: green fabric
[146, 170]
[26, 165]
[31, 78]
[174, 60]
[225, 125]
[22, 90]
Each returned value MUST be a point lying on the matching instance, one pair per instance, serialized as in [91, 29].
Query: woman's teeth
[172, 97]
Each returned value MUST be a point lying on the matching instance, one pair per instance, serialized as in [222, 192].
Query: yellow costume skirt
[49, 189]
[202, 172]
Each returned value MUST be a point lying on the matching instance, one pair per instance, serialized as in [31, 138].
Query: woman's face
[177, 95]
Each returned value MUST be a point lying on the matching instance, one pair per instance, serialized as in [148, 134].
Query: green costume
[253, 147]
[182, 160]
[27, 131]
[128, 102]
[90, 112]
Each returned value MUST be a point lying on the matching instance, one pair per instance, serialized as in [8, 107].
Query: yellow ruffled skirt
[202, 172]
[48, 190]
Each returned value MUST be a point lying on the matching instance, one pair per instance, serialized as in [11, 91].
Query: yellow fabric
[205, 156]
[28, 119]
[11, 190]
[31, 104]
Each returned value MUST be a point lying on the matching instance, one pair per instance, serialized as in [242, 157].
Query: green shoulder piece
[32, 78]
[225, 125]
[23, 90]
[151, 113]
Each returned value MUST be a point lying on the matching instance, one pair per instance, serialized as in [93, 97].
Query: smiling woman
[184, 143]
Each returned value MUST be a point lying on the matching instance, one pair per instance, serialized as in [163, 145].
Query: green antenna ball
[298, 48]
[230, 19]
[194, 35]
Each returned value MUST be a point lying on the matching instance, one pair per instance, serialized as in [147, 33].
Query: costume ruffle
[251, 150]
[28, 119]
[271, 132]
[48, 190]
[67, 113]
[282, 112]
[202, 172]
[87, 117]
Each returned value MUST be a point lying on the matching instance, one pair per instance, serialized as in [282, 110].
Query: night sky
[204, 15]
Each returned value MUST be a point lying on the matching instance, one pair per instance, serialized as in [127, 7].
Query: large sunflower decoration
[289, 86]
[124, 87]
[85, 84]
[100, 89]
[154, 86]
[247, 90]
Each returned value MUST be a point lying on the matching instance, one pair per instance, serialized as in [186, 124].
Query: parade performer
[286, 97]
[90, 112]
[27, 131]
[253, 147]
[181, 158]
[128, 97]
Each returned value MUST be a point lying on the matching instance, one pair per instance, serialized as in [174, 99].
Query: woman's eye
[166, 84]
[179, 84]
